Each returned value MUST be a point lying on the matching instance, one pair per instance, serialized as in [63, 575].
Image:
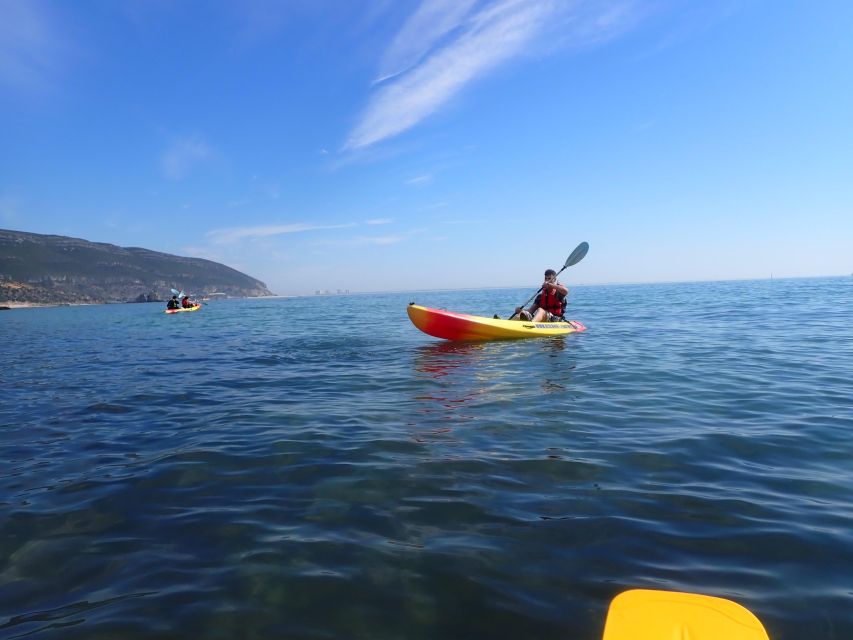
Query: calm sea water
[241, 472]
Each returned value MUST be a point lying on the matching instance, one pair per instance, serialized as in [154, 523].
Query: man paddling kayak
[549, 305]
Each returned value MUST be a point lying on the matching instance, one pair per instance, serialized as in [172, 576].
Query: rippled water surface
[243, 473]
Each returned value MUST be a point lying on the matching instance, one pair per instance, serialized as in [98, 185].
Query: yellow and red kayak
[195, 307]
[461, 326]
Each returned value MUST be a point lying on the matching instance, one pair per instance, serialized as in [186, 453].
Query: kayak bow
[450, 325]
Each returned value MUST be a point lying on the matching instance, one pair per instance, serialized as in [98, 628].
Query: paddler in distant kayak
[173, 303]
[549, 305]
[185, 302]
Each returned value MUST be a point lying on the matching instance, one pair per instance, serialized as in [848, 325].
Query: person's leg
[540, 316]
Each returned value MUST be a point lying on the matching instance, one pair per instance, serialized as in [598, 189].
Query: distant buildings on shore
[326, 292]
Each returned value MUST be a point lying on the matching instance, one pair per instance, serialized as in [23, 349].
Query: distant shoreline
[27, 305]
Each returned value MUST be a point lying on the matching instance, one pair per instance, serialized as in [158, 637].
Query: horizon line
[614, 283]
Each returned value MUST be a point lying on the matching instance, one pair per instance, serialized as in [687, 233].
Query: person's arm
[535, 305]
[561, 288]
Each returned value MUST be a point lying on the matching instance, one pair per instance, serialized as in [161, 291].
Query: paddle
[644, 614]
[574, 257]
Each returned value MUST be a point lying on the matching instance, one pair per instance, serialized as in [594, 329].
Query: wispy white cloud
[583, 25]
[235, 234]
[693, 19]
[493, 35]
[379, 221]
[379, 240]
[183, 155]
[419, 181]
[462, 221]
[32, 51]
[447, 45]
[430, 22]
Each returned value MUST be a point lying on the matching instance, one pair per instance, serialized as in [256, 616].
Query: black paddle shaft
[574, 257]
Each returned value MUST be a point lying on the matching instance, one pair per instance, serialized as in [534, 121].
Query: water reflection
[552, 386]
[553, 346]
[439, 359]
[454, 377]
[460, 379]
[555, 373]
[450, 367]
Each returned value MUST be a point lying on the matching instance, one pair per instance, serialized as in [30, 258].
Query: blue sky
[384, 145]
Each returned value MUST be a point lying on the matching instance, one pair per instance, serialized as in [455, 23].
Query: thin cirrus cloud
[379, 240]
[388, 239]
[31, 50]
[376, 240]
[430, 22]
[489, 37]
[236, 234]
[446, 45]
[419, 181]
[183, 156]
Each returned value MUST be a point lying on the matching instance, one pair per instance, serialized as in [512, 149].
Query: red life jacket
[552, 301]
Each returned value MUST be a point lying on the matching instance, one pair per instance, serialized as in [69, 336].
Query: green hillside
[48, 269]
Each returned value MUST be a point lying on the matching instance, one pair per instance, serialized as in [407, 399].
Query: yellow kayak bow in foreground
[643, 614]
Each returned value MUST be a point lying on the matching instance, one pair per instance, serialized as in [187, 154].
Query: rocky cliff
[44, 269]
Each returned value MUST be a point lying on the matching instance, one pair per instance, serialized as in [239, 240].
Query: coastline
[27, 305]
[21, 305]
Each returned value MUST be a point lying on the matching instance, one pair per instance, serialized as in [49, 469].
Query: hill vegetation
[47, 269]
